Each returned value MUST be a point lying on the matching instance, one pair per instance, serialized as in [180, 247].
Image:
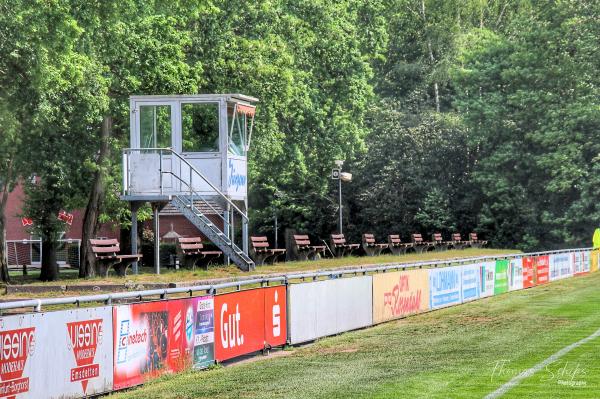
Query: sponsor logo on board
[84, 337]
[15, 347]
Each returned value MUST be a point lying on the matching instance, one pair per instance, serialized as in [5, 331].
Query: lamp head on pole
[339, 163]
[346, 177]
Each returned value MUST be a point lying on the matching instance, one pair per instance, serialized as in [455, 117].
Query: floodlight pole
[340, 191]
[339, 164]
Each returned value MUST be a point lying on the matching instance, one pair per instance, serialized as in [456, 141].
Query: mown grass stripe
[540, 366]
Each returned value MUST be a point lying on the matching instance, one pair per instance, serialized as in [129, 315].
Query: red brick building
[20, 252]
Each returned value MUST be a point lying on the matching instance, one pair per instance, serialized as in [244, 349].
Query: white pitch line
[528, 373]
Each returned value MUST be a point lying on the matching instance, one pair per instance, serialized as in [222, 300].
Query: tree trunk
[4, 276]
[436, 89]
[49, 263]
[92, 210]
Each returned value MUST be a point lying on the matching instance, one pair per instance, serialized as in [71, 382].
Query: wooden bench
[107, 255]
[457, 242]
[191, 251]
[371, 247]
[304, 250]
[260, 251]
[397, 246]
[420, 245]
[340, 247]
[475, 242]
[439, 243]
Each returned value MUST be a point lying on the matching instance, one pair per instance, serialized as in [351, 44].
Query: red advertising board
[528, 272]
[151, 339]
[247, 321]
[542, 269]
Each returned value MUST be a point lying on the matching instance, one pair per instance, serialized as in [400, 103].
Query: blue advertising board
[445, 287]
[471, 275]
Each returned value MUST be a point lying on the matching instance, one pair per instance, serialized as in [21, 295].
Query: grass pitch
[466, 351]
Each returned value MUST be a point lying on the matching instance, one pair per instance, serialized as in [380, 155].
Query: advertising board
[594, 260]
[399, 294]
[587, 267]
[247, 321]
[515, 274]
[322, 308]
[542, 269]
[152, 338]
[65, 354]
[528, 272]
[553, 273]
[501, 277]
[471, 284]
[445, 286]
[204, 331]
[561, 266]
[237, 180]
[488, 278]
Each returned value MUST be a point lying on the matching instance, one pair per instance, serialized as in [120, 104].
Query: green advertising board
[501, 279]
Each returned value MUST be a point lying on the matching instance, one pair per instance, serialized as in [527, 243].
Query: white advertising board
[237, 179]
[586, 261]
[66, 354]
[488, 277]
[561, 266]
[328, 307]
[515, 274]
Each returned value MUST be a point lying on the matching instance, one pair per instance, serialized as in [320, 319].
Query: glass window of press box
[200, 127]
[239, 122]
[155, 126]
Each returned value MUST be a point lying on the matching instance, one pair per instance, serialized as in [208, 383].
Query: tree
[530, 102]
[56, 95]
[414, 175]
[118, 36]
[9, 147]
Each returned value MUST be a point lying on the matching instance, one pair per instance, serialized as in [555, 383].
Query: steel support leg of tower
[156, 240]
[245, 229]
[134, 233]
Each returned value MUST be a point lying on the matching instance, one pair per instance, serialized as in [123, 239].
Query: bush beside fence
[81, 352]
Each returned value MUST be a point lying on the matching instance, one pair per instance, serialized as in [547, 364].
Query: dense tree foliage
[453, 116]
[530, 100]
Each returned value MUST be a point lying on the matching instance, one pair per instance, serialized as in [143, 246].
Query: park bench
[420, 245]
[107, 255]
[304, 250]
[439, 243]
[371, 247]
[457, 241]
[397, 246]
[191, 251]
[475, 242]
[260, 250]
[340, 247]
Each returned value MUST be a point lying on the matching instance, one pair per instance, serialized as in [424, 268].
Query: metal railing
[192, 171]
[107, 299]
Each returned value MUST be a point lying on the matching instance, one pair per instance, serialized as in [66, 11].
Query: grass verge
[70, 276]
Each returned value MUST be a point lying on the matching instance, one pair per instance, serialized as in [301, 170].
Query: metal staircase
[175, 182]
[192, 212]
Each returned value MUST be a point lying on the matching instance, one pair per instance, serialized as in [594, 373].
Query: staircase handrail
[161, 150]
